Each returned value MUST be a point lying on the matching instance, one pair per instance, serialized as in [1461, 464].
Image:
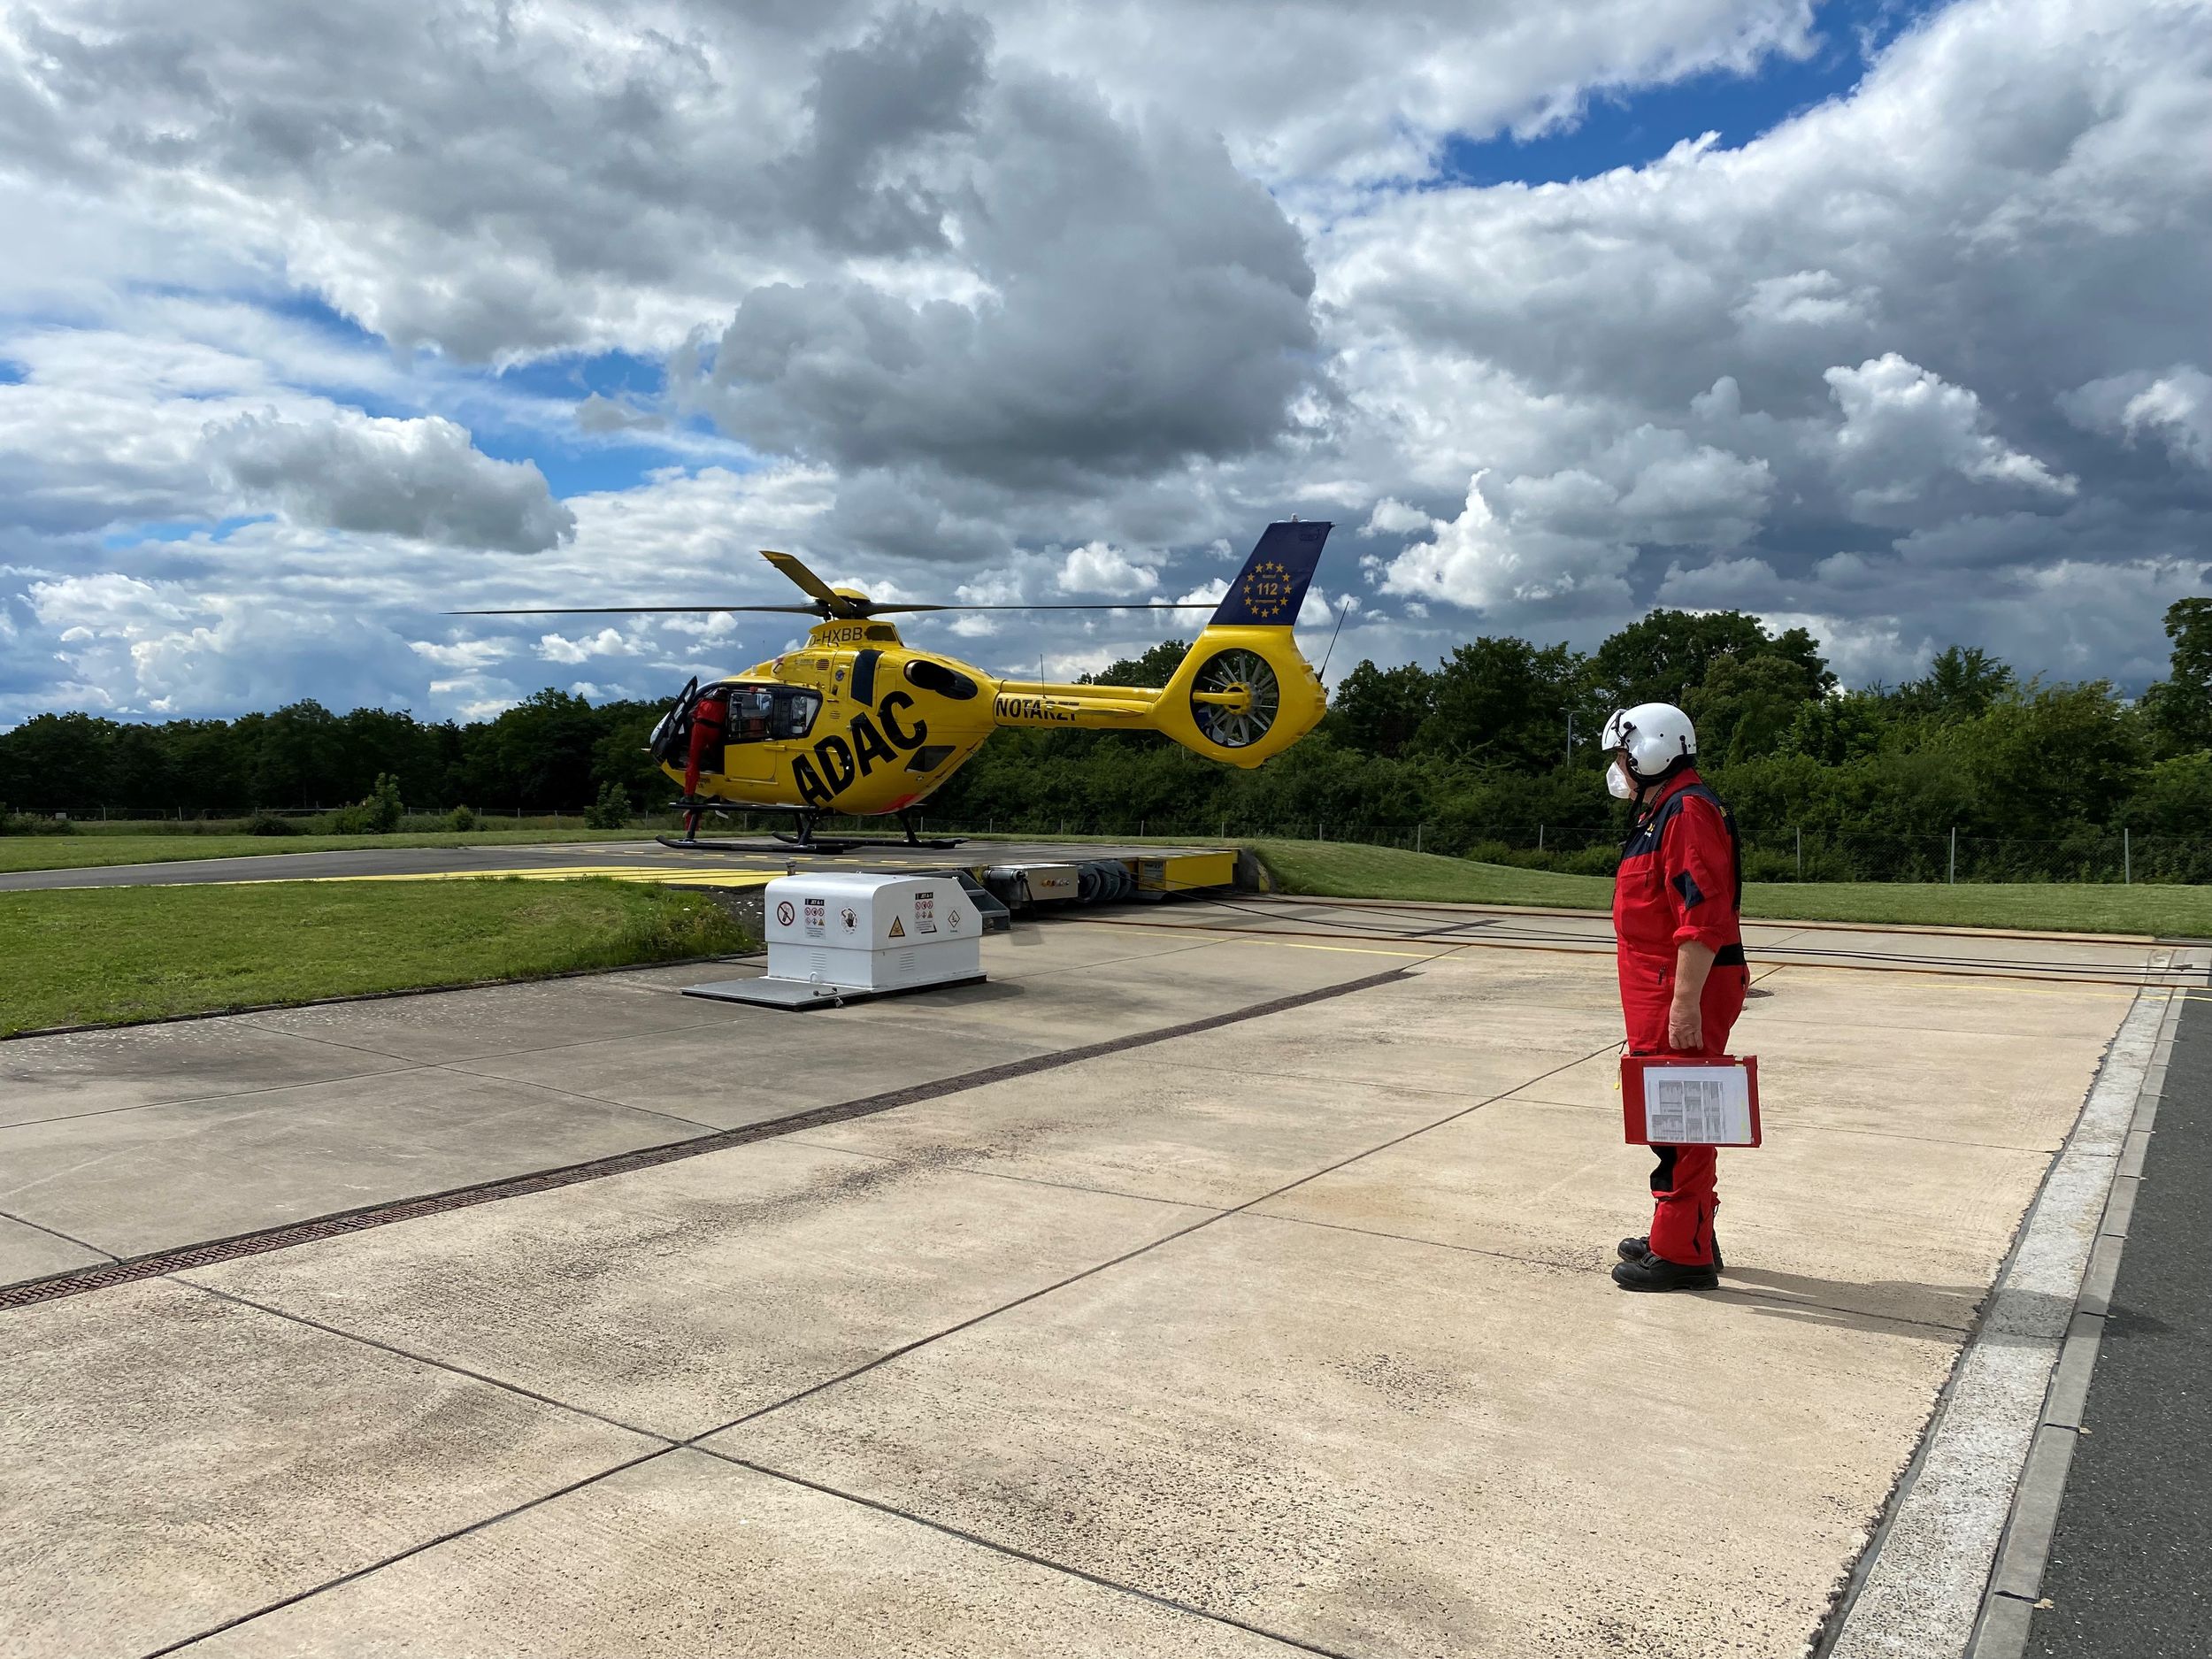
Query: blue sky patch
[181, 530]
[1632, 129]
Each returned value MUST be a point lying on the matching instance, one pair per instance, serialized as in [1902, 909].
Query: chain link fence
[1791, 855]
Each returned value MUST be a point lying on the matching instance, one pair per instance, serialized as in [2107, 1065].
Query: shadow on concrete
[1880, 1305]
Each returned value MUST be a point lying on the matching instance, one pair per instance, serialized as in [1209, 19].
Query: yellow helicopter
[856, 723]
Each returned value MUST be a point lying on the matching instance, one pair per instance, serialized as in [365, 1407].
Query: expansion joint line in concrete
[56, 1232]
[344, 1579]
[697, 1442]
[1204, 1221]
[1034, 1560]
[1931, 1576]
[160, 1263]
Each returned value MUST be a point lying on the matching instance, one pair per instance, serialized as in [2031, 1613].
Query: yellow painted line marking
[1346, 950]
[2018, 984]
[1287, 944]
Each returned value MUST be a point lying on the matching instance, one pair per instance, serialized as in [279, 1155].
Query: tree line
[554, 751]
[1484, 751]
[2037, 779]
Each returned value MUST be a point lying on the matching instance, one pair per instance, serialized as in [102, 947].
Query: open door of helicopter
[725, 728]
[672, 735]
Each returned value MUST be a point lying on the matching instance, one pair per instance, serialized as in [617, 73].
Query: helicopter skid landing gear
[806, 840]
[801, 838]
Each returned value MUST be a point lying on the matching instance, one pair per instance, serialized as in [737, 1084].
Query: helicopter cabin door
[761, 716]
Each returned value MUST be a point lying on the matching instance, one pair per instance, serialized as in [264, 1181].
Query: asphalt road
[2128, 1576]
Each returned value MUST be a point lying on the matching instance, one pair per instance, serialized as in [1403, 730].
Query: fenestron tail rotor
[1234, 698]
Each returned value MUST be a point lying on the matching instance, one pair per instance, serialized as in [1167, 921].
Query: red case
[1633, 1069]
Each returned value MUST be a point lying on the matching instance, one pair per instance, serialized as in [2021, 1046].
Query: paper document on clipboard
[1696, 1111]
[1691, 1104]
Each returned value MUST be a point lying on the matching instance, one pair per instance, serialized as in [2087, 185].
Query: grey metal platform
[764, 992]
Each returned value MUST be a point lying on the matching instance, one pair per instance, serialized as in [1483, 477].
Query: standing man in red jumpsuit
[1679, 943]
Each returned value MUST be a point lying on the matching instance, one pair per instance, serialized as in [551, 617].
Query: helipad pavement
[1291, 1335]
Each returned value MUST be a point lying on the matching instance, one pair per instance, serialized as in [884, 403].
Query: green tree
[1379, 711]
[1748, 706]
[535, 754]
[611, 809]
[1667, 653]
[2179, 708]
[1838, 730]
[2051, 759]
[1154, 667]
[1961, 684]
[378, 813]
[57, 762]
[1500, 701]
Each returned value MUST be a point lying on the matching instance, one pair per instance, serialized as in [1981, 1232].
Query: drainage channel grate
[163, 1262]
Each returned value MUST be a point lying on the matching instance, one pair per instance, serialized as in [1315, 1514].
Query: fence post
[1417, 838]
[1800, 852]
[1954, 856]
[2127, 859]
[1316, 829]
[1539, 838]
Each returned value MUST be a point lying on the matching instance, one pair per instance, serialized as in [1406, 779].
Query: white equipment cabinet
[838, 935]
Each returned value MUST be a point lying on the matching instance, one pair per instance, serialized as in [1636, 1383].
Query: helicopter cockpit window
[771, 713]
[794, 713]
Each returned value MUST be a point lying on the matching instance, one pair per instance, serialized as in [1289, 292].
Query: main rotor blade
[808, 581]
[1214, 604]
[638, 610]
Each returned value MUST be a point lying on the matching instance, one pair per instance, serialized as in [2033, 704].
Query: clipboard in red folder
[1674, 1100]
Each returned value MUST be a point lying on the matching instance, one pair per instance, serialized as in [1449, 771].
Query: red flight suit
[1679, 880]
[710, 716]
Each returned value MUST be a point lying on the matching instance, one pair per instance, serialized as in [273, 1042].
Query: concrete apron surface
[1289, 1335]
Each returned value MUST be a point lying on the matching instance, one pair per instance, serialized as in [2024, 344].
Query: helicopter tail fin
[1271, 586]
[1244, 693]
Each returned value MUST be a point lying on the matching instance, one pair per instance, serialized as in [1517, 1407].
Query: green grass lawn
[1336, 870]
[95, 846]
[108, 956]
[1341, 870]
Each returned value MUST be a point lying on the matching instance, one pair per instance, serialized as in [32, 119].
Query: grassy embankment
[1331, 870]
[108, 956]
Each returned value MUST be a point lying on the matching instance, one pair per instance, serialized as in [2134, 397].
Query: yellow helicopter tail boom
[1242, 694]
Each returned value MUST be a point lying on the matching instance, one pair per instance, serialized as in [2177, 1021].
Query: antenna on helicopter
[1343, 611]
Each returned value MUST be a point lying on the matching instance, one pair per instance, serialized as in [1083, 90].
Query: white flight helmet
[1655, 735]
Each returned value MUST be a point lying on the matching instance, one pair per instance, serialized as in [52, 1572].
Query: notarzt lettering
[1031, 708]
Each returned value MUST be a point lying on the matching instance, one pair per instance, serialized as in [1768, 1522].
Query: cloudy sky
[319, 321]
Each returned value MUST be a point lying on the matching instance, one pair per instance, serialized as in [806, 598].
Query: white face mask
[1619, 782]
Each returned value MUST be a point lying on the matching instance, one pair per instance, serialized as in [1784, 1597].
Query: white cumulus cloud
[1096, 568]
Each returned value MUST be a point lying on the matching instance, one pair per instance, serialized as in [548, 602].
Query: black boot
[1656, 1272]
[1636, 1248]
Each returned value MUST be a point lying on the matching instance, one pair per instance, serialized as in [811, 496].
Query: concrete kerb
[1970, 1517]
